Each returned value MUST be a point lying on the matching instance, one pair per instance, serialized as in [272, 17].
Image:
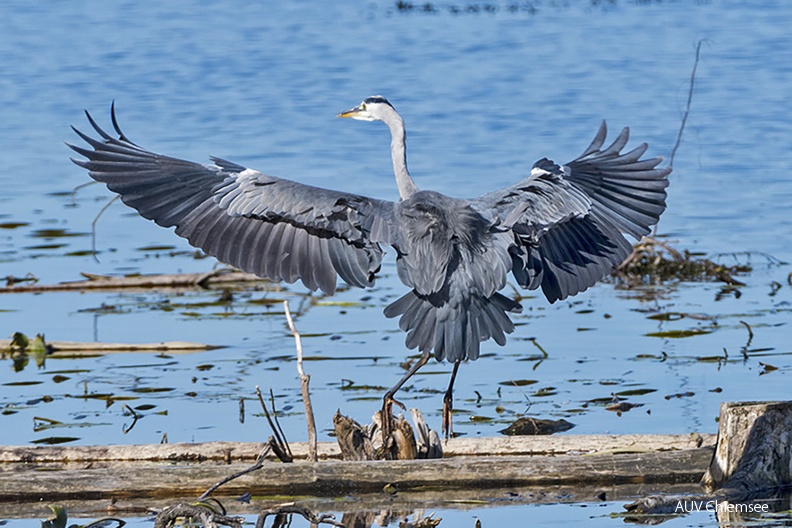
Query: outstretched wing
[569, 221]
[275, 228]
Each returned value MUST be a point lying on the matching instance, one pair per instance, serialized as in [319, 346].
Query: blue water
[483, 95]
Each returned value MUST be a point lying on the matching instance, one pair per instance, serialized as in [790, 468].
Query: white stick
[304, 380]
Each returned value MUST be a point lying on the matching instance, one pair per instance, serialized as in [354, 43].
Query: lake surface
[484, 93]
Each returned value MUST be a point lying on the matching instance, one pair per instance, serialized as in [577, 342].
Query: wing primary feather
[285, 254]
[121, 135]
[618, 144]
[598, 141]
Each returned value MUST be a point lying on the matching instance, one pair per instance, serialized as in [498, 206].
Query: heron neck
[404, 181]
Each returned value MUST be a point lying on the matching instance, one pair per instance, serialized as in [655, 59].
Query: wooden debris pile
[653, 261]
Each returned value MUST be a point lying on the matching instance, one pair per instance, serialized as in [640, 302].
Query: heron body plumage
[561, 228]
[455, 260]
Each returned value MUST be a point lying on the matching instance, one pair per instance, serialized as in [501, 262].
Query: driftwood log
[54, 473]
[242, 452]
[339, 478]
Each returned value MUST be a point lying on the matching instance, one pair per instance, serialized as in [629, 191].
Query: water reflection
[771, 510]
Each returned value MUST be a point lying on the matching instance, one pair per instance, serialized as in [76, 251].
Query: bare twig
[542, 350]
[684, 117]
[256, 466]
[750, 335]
[93, 225]
[74, 192]
[279, 444]
[104, 522]
[127, 409]
[96, 218]
[304, 381]
[687, 107]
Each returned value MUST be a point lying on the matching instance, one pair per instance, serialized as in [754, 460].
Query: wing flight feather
[273, 227]
[569, 221]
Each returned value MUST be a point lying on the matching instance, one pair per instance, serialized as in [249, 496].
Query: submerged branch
[178, 281]
[77, 348]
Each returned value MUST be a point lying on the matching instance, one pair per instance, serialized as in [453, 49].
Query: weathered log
[241, 452]
[110, 480]
[753, 450]
[186, 470]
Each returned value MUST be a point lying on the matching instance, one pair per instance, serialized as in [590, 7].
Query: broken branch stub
[754, 448]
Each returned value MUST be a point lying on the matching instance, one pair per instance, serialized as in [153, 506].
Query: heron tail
[453, 331]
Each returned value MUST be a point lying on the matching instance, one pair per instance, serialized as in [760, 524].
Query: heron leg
[387, 400]
[448, 402]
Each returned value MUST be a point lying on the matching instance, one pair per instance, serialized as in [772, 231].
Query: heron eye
[362, 106]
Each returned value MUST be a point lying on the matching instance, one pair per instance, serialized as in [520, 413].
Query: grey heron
[561, 228]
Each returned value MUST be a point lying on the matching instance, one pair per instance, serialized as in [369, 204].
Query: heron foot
[448, 408]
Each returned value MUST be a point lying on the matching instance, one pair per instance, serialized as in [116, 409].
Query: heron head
[372, 108]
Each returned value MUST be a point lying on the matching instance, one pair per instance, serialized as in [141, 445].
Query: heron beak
[352, 112]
